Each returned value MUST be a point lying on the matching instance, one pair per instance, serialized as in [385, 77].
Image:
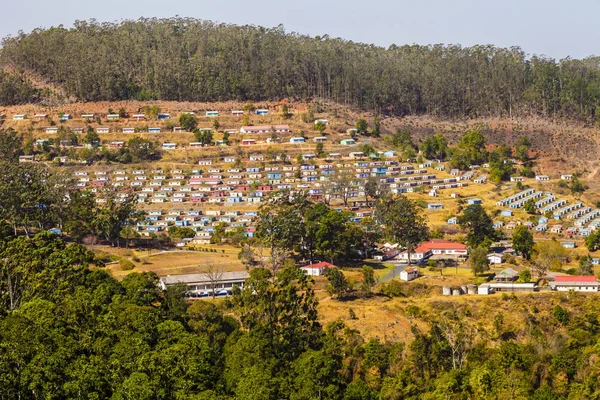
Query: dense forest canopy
[187, 59]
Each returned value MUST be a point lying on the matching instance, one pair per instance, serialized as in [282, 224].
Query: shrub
[126, 265]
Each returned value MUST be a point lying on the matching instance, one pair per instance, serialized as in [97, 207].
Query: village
[220, 184]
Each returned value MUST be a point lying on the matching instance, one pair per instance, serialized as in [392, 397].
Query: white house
[495, 258]
[317, 269]
[409, 274]
[575, 283]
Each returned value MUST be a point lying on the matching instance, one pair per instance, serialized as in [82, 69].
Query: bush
[126, 265]
[561, 315]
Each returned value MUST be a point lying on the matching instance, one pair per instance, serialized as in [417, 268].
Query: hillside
[185, 59]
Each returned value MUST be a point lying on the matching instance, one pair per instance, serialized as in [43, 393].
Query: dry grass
[174, 262]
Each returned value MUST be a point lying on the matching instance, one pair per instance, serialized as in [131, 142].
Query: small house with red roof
[317, 269]
[577, 283]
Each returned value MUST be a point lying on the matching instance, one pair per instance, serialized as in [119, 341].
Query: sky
[543, 27]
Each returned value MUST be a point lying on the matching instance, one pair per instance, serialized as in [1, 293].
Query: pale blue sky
[551, 27]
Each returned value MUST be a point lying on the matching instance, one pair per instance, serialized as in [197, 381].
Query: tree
[141, 149]
[471, 150]
[402, 221]
[188, 122]
[216, 125]
[529, 207]
[478, 260]
[338, 285]
[91, 138]
[585, 266]
[478, 224]
[362, 127]
[592, 241]
[522, 149]
[320, 127]
[213, 274]
[577, 187]
[319, 147]
[435, 147]
[368, 279]
[204, 136]
[524, 276]
[548, 255]
[11, 145]
[522, 241]
[372, 188]
[285, 112]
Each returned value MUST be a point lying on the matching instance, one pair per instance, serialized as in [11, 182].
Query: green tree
[338, 284]
[478, 261]
[11, 145]
[435, 147]
[320, 127]
[402, 221]
[368, 275]
[522, 241]
[548, 255]
[188, 122]
[362, 127]
[478, 224]
[592, 241]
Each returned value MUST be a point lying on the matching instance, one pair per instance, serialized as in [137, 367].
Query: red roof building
[576, 283]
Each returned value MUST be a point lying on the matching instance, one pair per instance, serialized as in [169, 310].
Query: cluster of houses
[584, 219]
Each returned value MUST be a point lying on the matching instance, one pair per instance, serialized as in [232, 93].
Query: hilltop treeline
[192, 60]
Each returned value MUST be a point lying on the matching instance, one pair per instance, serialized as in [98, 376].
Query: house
[39, 117]
[128, 130]
[163, 116]
[113, 117]
[540, 178]
[169, 146]
[102, 130]
[248, 142]
[317, 269]
[265, 129]
[516, 179]
[566, 177]
[138, 117]
[577, 283]
[320, 139]
[52, 129]
[297, 140]
[65, 117]
[506, 213]
[23, 159]
[202, 285]
[435, 206]
[154, 130]
[262, 112]
[556, 229]
[437, 247]
[568, 245]
[352, 131]
[237, 113]
[409, 274]
[348, 142]
[474, 201]
[19, 117]
[507, 275]
[452, 221]
[322, 121]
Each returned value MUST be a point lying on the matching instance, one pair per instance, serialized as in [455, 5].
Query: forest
[69, 330]
[187, 59]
